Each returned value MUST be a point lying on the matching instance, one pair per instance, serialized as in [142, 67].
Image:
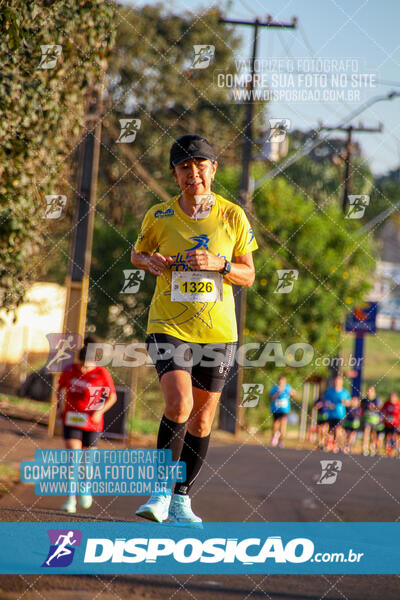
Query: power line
[247, 7]
[306, 41]
[310, 145]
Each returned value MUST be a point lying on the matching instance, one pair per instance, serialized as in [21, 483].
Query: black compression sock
[193, 454]
[170, 436]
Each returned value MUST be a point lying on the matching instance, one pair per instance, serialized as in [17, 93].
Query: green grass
[381, 362]
[142, 426]
[8, 476]
[43, 407]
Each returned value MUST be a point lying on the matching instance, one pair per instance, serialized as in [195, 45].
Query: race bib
[76, 419]
[282, 403]
[196, 286]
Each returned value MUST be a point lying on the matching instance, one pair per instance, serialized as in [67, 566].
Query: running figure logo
[55, 205]
[50, 54]
[62, 347]
[251, 394]
[98, 395]
[279, 129]
[203, 55]
[330, 470]
[129, 129]
[202, 242]
[357, 205]
[133, 279]
[62, 547]
[287, 277]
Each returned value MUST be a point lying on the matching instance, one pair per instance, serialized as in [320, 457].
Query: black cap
[190, 146]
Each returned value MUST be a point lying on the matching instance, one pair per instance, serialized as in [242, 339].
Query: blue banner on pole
[215, 548]
[363, 318]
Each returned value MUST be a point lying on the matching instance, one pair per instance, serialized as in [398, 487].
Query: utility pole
[347, 176]
[81, 247]
[359, 337]
[232, 390]
[77, 281]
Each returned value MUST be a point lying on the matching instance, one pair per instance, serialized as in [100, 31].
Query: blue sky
[367, 31]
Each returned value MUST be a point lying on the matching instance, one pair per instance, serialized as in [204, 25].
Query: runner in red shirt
[85, 392]
[391, 419]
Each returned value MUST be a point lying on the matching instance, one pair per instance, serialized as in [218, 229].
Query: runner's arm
[242, 270]
[61, 395]
[96, 415]
[109, 402]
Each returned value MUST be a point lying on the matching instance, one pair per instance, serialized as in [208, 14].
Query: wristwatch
[227, 268]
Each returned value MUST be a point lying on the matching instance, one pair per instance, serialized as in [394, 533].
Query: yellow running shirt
[167, 229]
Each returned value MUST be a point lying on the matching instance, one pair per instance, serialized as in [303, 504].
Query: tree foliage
[334, 269]
[151, 78]
[321, 174]
[41, 118]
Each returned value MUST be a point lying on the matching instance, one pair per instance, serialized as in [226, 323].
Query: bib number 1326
[196, 286]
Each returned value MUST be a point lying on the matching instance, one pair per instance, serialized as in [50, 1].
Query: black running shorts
[88, 438]
[333, 423]
[208, 364]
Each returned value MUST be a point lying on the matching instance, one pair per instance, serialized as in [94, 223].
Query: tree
[386, 195]
[321, 173]
[323, 247]
[151, 78]
[42, 103]
[111, 313]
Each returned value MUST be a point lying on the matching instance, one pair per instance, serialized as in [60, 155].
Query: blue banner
[363, 318]
[214, 548]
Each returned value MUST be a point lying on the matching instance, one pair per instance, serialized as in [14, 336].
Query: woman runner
[188, 243]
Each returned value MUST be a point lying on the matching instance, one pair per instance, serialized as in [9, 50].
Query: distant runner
[370, 421]
[336, 397]
[85, 392]
[280, 396]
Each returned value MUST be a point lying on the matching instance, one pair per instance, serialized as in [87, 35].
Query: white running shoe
[70, 505]
[86, 501]
[156, 508]
[180, 510]
[275, 439]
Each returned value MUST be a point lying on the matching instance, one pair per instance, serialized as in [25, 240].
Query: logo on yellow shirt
[202, 242]
[164, 213]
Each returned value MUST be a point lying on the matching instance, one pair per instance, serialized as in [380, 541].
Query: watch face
[227, 268]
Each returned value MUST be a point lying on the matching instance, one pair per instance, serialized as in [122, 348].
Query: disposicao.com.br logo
[192, 550]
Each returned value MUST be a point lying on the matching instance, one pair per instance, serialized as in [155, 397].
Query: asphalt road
[238, 483]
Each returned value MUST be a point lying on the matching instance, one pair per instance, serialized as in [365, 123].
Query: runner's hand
[202, 260]
[157, 263]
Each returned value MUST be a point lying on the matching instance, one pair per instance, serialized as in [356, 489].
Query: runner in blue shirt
[337, 398]
[280, 396]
